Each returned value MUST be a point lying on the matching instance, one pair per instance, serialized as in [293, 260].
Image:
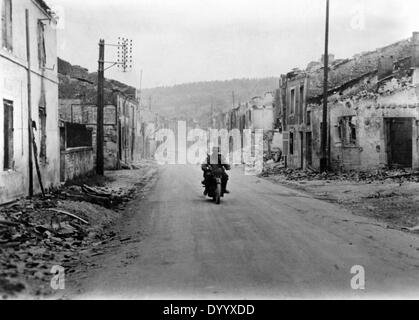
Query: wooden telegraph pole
[124, 62]
[324, 157]
[100, 107]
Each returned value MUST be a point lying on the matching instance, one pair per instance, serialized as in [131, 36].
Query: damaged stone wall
[78, 162]
[129, 120]
[366, 106]
[74, 111]
[345, 71]
[295, 117]
[262, 118]
[365, 93]
[123, 129]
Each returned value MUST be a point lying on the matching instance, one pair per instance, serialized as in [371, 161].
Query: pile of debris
[40, 233]
[98, 195]
[288, 174]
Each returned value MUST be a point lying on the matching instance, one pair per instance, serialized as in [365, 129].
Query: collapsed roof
[349, 70]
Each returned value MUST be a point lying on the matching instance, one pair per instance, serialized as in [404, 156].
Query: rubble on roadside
[58, 229]
[390, 196]
[288, 174]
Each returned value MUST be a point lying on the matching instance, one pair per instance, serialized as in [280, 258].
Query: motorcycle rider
[216, 158]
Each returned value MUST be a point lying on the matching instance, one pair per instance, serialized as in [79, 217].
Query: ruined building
[129, 127]
[259, 113]
[28, 89]
[373, 110]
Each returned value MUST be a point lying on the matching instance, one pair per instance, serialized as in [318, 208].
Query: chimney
[385, 66]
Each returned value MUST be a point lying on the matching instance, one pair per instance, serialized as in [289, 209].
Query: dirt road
[263, 241]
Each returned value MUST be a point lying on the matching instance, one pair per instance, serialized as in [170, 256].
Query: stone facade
[76, 111]
[359, 125]
[129, 127]
[77, 162]
[259, 113]
[373, 111]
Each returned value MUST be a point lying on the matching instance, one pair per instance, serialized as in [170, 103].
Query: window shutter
[8, 135]
[11, 126]
[285, 139]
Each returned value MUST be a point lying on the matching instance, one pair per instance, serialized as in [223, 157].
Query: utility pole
[212, 113]
[124, 62]
[100, 107]
[141, 85]
[30, 133]
[234, 99]
[324, 157]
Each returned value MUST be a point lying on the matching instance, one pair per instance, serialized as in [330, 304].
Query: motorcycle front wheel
[217, 197]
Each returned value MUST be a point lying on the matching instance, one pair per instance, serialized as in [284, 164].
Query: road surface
[263, 241]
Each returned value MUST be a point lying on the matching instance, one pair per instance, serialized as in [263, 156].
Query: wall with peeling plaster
[369, 109]
[77, 111]
[13, 86]
[78, 163]
[369, 88]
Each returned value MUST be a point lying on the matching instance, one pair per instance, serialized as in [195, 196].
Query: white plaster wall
[13, 86]
[263, 118]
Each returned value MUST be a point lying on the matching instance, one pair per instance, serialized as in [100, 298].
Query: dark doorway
[399, 142]
[62, 153]
[291, 143]
[119, 140]
[309, 146]
[301, 150]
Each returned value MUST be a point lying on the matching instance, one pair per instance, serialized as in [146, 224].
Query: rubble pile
[39, 233]
[358, 176]
[106, 197]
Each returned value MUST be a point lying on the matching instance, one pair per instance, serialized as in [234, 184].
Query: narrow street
[313, 105]
[263, 241]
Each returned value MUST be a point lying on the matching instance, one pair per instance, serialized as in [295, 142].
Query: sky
[181, 41]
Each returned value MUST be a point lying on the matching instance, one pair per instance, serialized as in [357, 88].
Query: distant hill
[184, 101]
[193, 100]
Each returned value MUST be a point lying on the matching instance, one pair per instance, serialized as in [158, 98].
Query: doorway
[309, 146]
[8, 130]
[119, 140]
[301, 150]
[399, 142]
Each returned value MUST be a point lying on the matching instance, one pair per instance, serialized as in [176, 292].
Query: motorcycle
[214, 184]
